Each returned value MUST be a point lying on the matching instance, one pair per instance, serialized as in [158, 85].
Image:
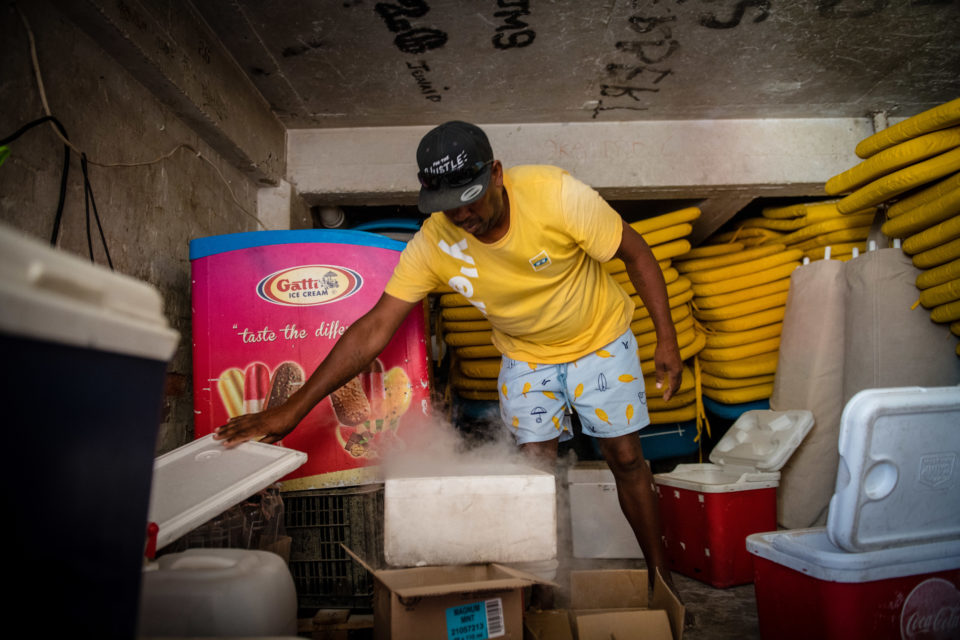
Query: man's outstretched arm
[647, 279]
[352, 353]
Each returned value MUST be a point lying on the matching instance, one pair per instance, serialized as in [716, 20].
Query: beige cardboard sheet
[810, 376]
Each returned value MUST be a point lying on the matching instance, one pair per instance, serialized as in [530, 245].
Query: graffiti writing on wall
[643, 60]
[410, 39]
[419, 72]
[413, 40]
[514, 32]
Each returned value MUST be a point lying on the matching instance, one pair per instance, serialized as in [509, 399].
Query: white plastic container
[809, 588]
[600, 530]
[85, 354]
[476, 513]
[899, 473]
[708, 510]
[218, 592]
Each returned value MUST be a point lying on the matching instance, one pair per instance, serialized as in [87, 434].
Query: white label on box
[476, 621]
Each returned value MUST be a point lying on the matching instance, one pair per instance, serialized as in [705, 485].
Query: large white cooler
[85, 359]
[896, 503]
[708, 510]
[470, 513]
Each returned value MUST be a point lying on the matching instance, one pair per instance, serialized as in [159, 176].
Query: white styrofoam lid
[54, 296]
[201, 480]
[763, 440]
[899, 470]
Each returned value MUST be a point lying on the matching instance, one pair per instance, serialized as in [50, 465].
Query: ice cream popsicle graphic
[230, 386]
[256, 387]
[287, 378]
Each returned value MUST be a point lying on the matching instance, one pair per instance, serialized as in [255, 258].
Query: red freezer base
[792, 605]
[706, 533]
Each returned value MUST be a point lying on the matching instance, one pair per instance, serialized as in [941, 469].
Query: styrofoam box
[708, 510]
[599, 527]
[899, 472]
[474, 513]
[808, 588]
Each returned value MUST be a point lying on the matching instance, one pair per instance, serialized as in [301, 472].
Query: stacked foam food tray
[470, 513]
[708, 510]
[887, 565]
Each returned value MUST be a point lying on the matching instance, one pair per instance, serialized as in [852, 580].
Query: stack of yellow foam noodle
[810, 227]
[476, 362]
[913, 168]
[740, 296]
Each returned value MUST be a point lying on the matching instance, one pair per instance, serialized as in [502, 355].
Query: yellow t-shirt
[541, 285]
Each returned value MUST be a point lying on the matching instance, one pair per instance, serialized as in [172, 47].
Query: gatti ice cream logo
[309, 285]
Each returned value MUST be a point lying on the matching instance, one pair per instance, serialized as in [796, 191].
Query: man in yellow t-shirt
[526, 247]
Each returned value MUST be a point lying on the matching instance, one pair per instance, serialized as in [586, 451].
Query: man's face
[482, 218]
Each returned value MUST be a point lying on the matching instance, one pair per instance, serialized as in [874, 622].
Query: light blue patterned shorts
[604, 387]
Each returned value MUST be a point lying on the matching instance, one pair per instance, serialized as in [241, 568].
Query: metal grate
[318, 521]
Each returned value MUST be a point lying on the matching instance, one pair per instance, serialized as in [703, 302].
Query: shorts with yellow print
[604, 387]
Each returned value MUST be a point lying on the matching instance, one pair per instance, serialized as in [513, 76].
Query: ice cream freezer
[268, 306]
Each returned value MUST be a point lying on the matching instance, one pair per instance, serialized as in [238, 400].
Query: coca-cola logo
[931, 611]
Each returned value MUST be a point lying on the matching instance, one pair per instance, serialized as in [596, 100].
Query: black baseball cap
[455, 161]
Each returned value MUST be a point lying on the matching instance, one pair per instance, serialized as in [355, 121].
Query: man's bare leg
[638, 498]
[542, 455]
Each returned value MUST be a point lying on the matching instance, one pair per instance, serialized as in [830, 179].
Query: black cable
[89, 200]
[63, 175]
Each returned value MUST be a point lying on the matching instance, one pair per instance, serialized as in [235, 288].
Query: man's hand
[267, 426]
[669, 368]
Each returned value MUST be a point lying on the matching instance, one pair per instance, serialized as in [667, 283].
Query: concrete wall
[150, 212]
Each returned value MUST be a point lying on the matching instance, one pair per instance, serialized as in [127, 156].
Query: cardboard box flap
[442, 580]
[608, 589]
[649, 624]
[667, 601]
[551, 624]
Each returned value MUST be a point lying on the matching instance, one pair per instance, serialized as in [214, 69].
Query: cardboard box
[466, 602]
[618, 603]
[552, 624]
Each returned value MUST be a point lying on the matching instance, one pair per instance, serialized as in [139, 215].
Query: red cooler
[708, 510]
[809, 588]
[887, 565]
[268, 307]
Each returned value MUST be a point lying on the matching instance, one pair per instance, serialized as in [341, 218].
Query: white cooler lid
[749, 455]
[762, 440]
[54, 296]
[809, 551]
[202, 479]
[899, 472]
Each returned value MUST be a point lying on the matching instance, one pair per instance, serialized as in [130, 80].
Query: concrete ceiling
[360, 63]
[716, 102]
